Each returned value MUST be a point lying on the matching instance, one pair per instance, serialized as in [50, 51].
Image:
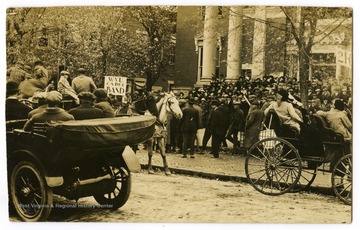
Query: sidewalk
[227, 168]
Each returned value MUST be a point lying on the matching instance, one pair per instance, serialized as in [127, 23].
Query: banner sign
[115, 85]
[344, 58]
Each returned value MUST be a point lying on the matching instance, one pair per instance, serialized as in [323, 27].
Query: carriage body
[290, 161]
[73, 159]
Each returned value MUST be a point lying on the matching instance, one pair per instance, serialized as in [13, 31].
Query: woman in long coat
[253, 124]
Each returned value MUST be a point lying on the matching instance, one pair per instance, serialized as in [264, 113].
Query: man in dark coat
[86, 109]
[51, 114]
[40, 99]
[219, 126]
[189, 125]
[15, 110]
[102, 102]
[207, 132]
[236, 118]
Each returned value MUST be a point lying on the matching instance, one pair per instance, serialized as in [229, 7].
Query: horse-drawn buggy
[73, 159]
[289, 162]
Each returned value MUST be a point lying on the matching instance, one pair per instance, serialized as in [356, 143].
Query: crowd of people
[34, 96]
[222, 109]
[235, 111]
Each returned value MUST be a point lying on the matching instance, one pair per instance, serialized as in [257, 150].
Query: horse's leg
[161, 142]
[150, 154]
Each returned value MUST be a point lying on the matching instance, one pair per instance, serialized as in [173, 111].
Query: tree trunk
[149, 80]
[104, 63]
[304, 65]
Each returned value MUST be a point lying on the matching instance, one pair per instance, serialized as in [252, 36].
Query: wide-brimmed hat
[12, 87]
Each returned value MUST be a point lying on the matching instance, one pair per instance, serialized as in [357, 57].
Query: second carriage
[288, 162]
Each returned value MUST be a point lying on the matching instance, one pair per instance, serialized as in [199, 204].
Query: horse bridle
[168, 102]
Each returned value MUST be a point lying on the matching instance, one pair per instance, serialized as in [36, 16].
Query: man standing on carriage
[83, 83]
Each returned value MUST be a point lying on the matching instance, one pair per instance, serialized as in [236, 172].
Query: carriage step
[312, 158]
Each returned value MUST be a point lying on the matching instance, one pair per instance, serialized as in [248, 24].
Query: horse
[167, 104]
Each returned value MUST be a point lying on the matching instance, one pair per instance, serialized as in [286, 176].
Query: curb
[213, 176]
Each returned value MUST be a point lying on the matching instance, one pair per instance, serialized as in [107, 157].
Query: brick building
[215, 40]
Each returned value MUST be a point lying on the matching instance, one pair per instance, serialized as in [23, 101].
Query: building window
[200, 52]
[200, 61]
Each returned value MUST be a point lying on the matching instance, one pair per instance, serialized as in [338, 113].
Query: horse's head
[172, 105]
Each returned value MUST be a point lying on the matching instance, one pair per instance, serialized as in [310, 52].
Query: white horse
[167, 104]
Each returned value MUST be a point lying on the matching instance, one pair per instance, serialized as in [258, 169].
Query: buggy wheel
[121, 189]
[341, 179]
[30, 195]
[273, 166]
[307, 177]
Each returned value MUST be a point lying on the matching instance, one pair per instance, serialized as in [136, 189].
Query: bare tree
[304, 28]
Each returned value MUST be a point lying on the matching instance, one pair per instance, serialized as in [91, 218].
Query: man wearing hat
[189, 125]
[102, 102]
[14, 109]
[285, 110]
[86, 109]
[83, 83]
[40, 99]
[236, 120]
[253, 123]
[51, 114]
[201, 125]
[65, 89]
[219, 127]
[208, 116]
[40, 72]
[17, 72]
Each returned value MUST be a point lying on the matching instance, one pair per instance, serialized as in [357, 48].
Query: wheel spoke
[23, 180]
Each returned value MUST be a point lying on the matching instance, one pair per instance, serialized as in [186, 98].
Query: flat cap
[54, 96]
[64, 72]
[101, 93]
[87, 96]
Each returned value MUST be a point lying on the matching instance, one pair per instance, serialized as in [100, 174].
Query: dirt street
[182, 199]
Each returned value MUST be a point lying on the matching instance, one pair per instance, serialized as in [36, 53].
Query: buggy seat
[285, 131]
[327, 134]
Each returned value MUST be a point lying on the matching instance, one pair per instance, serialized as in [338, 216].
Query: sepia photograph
[225, 113]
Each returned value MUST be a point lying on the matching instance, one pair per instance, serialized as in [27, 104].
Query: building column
[258, 55]
[210, 42]
[233, 70]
